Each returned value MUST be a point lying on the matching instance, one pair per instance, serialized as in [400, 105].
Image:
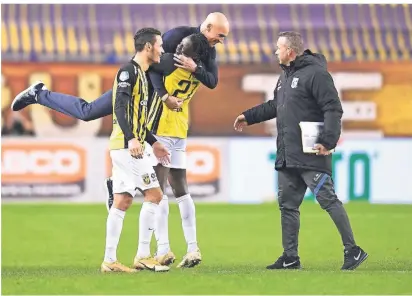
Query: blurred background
[77, 49]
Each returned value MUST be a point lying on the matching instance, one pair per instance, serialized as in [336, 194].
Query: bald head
[215, 28]
[217, 19]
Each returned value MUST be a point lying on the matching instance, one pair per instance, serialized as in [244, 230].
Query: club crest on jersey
[146, 179]
[294, 82]
[124, 76]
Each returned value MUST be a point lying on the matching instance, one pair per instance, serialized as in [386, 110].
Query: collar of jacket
[298, 63]
[198, 31]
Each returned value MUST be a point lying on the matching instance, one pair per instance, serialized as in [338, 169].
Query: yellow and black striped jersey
[130, 98]
[179, 83]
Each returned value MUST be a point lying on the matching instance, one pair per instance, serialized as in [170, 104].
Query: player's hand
[135, 148]
[173, 102]
[161, 153]
[321, 150]
[240, 123]
[185, 63]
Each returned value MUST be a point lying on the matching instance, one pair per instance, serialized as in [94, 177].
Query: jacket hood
[310, 58]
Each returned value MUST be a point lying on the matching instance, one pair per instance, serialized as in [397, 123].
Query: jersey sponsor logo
[45, 169]
[123, 84]
[124, 76]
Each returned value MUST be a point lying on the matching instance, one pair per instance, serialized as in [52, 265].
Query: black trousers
[292, 187]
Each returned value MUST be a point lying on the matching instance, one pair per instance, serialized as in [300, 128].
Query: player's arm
[327, 98]
[125, 79]
[150, 138]
[171, 40]
[157, 71]
[262, 112]
[159, 150]
[157, 82]
[156, 74]
[173, 37]
[207, 74]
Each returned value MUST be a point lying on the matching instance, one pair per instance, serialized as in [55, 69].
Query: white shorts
[130, 174]
[177, 149]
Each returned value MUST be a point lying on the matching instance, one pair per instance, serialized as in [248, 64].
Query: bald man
[215, 28]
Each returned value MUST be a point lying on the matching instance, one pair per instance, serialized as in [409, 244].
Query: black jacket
[208, 74]
[304, 92]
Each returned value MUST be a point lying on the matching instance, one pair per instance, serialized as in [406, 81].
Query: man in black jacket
[304, 92]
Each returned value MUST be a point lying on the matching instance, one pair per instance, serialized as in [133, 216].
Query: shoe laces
[348, 253]
[32, 91]
[281, 259]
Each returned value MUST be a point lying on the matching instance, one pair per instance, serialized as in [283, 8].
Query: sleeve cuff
[150, 138]
[326, 144]
[164, 97]
[161, 92]
[248, 117]
[129, 137]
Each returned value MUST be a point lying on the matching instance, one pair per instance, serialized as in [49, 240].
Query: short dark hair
[200, 46]
[294, 40]
[144, 36]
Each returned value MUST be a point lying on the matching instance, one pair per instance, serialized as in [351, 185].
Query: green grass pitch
[57, 249]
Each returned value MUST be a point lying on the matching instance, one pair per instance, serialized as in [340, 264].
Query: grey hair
[294, 41]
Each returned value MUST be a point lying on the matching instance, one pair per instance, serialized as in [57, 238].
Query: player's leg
[145, 179]
[163, 254]
[114, 226]
[108, 182]
[70, 105]
[77, 107]
[123, 195]
[291, 191]
[321, 185]
[178, 182]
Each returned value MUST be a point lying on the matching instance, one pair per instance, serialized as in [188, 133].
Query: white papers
[310, 135]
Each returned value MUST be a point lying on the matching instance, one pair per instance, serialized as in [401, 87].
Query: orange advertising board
[42, 169]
